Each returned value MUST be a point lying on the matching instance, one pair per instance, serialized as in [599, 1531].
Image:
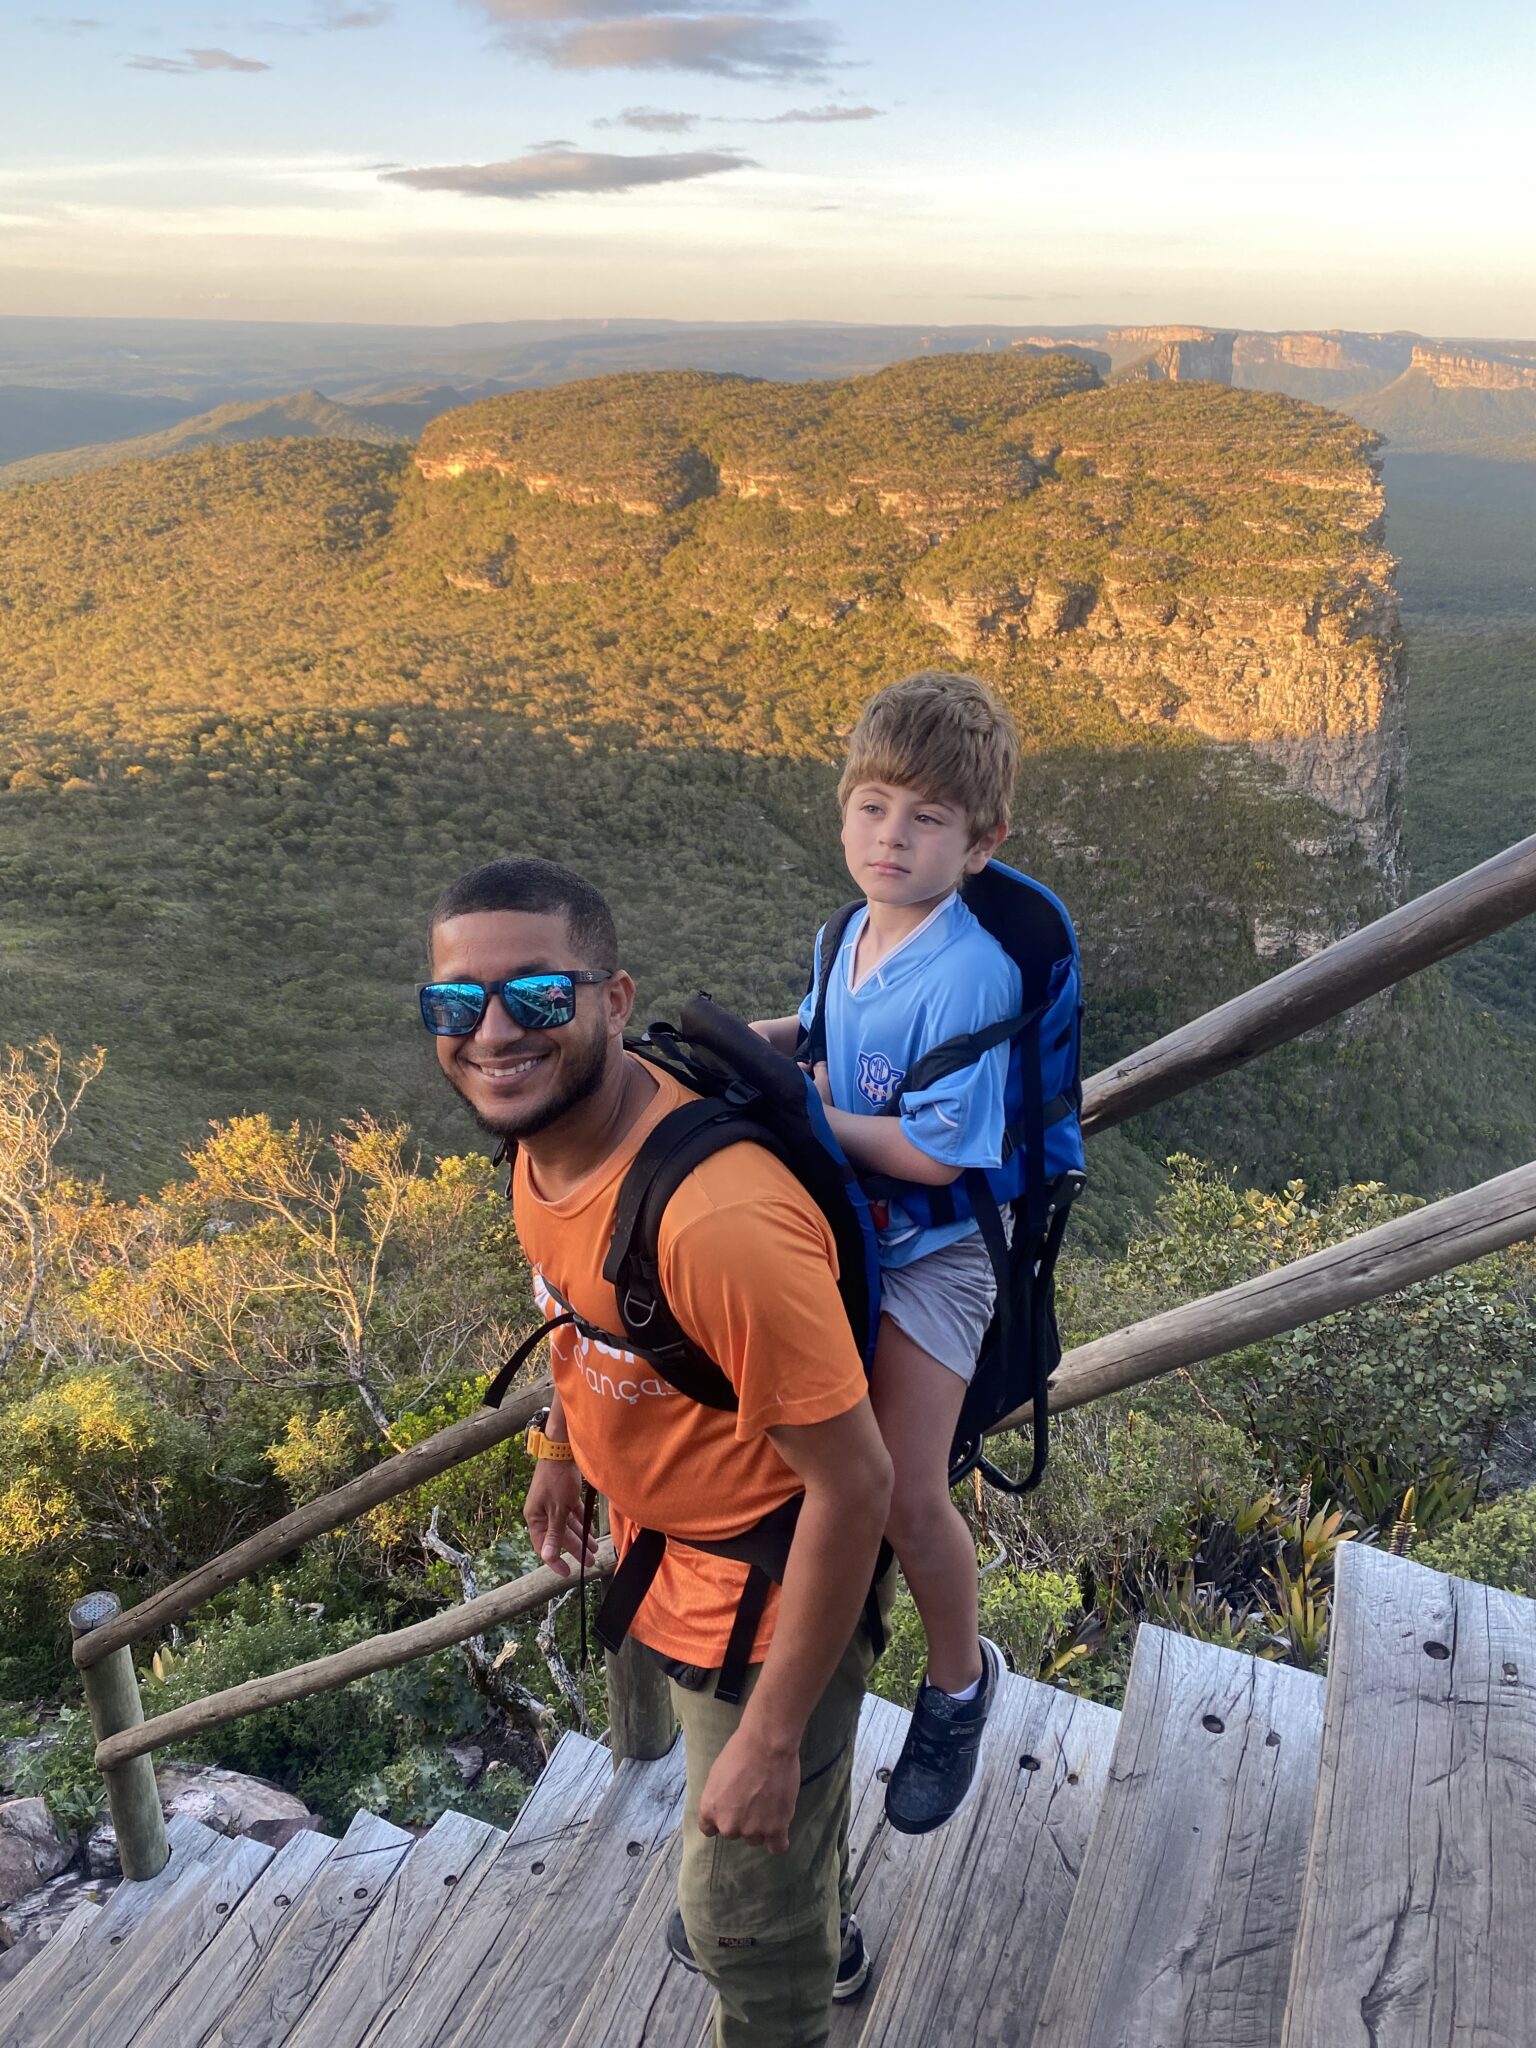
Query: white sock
[969, 1692]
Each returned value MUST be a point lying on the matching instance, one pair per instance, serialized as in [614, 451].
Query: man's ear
[619, 997]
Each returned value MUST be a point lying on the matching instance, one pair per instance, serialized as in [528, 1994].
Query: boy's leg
[917, 1404]
[764, 1929]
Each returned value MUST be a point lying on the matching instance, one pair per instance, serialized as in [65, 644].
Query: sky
[973, 161]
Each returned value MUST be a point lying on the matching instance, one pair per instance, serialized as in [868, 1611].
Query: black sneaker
[852, 1964]
[936, 1771]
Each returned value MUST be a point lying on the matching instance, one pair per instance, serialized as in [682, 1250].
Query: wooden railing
[1434, 1239]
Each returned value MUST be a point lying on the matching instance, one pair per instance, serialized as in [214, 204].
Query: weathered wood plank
[34, 2002]
[989, 1898]
[640, 1998]
[538, 1984]
[1487, 1218]
[1184, 1917]
[195, 2006]
[70, 1934]
[1485, 899]
[344, 1893]
[381, 1959]
[881, 1861]
[491, 1908]
[130, 1989]
[1420, 1904]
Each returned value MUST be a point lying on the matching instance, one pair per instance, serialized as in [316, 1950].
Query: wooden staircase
[1239, 1859]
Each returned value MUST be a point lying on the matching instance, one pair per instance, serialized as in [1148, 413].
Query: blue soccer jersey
[946, 978]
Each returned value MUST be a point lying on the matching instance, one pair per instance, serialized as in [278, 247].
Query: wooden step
[341, 1896]
[1417, 1924]
[37, 1998]
[494, 1907]
[640, 1998]
[141, 1975]
[988, 1895]
[191, 2011]
[425, 1889]
[532, 1989]
[1185, 1914]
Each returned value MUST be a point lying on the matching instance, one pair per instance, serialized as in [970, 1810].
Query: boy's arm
[782, 1033]
[751, 1791]
[878, 1144]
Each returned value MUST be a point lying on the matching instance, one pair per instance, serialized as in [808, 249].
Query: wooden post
[112, 1694]
[640, 1718]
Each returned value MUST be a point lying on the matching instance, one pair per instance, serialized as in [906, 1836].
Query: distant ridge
[396, 416]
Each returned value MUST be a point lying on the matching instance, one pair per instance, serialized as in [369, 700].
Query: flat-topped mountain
[1204, 560]
[260, 700]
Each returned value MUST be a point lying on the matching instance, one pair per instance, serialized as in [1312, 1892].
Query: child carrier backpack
[1042, 1170]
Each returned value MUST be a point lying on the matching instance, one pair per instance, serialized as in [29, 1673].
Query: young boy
[925, 797]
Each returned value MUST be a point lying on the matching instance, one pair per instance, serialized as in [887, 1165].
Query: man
[529, 1005]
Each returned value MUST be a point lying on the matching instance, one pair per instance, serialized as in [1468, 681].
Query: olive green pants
[765, 1929]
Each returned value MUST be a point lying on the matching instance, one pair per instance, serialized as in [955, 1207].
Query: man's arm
[846, 1471]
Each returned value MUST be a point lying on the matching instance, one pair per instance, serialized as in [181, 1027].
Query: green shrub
[1496, 1545]
[1026, 1612]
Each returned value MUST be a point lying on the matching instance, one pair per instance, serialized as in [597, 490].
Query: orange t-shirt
[749, 1268]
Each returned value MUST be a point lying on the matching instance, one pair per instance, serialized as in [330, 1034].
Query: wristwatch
[542, 1446]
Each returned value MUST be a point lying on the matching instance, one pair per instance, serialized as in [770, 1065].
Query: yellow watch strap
[542, 1446]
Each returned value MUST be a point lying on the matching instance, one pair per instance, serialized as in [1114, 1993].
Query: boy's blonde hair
[946, 736]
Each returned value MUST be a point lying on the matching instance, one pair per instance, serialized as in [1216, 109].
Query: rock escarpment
[1454, 369]
[1194, 558]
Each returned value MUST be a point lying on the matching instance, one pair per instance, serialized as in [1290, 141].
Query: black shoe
[852, 1964]
[936, 1771]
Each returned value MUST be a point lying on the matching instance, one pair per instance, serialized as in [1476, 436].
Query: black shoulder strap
[958, 1053]
[813, 1046]
[683, 1139]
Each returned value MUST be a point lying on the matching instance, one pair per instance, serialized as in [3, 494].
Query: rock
[229, 1802]
[44, 1911]
[468, 1759]
[31, 1848]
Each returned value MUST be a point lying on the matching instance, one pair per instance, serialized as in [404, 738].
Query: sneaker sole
[850, 1987]
[1000, 1665]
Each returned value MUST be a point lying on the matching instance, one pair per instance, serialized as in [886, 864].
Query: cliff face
[1455, 370]
[1191, 558]
[1172, 354]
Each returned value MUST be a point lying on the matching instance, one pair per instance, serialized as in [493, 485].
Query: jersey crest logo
[878, 1079]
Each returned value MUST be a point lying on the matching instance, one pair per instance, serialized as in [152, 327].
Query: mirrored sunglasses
[538, 1002]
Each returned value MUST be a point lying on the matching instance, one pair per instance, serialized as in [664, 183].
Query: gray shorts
[943, 1302]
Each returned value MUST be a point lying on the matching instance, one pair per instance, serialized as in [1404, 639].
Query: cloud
[570, 170]
[584, 10]
[742, 46]
[332, 14]
[552, 143]
[816, 115]
[653, 120]
[67, 24]
[198, 60]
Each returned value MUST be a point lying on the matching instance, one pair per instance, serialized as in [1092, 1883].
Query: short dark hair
[541, 887]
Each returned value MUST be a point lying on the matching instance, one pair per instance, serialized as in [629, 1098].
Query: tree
[39, 1093]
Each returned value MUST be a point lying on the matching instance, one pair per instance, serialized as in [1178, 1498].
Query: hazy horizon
[357, 162]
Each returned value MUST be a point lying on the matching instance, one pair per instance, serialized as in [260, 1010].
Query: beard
[580, 1074]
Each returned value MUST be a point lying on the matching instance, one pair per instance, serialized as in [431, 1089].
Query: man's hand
[553, 1512]
[750, 1794]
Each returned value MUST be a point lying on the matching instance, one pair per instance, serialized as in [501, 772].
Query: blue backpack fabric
[1042, 1170]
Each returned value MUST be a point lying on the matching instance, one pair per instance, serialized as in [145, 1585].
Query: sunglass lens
[452, 1009]
[541, 1002]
